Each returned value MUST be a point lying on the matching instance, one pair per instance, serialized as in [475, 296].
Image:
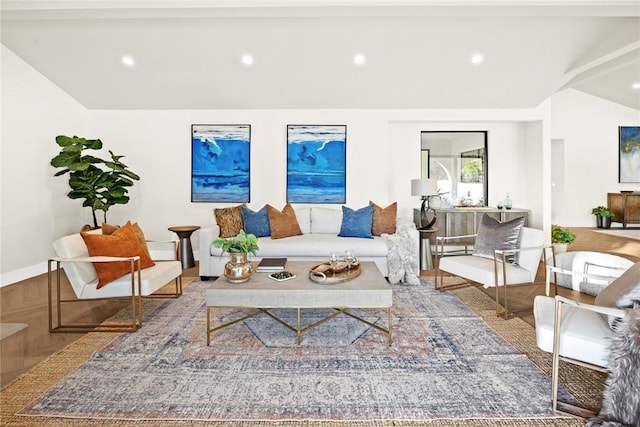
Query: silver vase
[238, 269]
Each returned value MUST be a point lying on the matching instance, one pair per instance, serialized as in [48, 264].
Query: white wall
[34, 207]
[588, 125]
[382, 158]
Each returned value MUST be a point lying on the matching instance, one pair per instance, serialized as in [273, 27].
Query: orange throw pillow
[122, 243]
[110, 229]
[384, 220]
[283, 224]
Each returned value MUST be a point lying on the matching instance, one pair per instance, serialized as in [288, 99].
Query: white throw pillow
[304, 219]
[326, 221]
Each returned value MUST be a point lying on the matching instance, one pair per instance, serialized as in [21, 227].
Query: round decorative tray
[323, 273]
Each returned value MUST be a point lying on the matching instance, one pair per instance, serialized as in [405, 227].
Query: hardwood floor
[26, 302]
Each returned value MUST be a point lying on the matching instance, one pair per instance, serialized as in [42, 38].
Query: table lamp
[425, 188]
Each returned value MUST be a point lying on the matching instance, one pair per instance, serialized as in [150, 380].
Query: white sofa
[320, 227]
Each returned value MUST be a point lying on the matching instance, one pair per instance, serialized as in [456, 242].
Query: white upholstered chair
[493, 271]
[580, 333]
[73, 257]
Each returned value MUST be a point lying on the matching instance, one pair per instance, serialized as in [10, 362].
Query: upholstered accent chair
[580, 333]
[72, 257]
[504, 254]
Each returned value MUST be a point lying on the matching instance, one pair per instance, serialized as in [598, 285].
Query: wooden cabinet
[625, 207]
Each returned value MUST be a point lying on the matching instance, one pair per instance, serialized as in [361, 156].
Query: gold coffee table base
[297, 329]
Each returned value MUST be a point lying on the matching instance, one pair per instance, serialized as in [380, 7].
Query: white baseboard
[14, 276]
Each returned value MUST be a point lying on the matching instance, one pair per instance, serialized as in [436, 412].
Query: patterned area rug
[445, 363]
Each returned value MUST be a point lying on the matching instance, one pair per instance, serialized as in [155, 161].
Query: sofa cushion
[229, 220]
[493, 234]
[122, 243]
[256, 223]
[303, 215]
[326, 221]
[319, 246]
[283, 224]
[384, 219]
[357, 223]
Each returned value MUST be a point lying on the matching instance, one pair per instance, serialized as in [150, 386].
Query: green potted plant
[239, 269]
[242, 243]
[603, 216]
[101, 183]
[560, 238]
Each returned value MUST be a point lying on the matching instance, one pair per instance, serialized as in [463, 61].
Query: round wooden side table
[186, 251]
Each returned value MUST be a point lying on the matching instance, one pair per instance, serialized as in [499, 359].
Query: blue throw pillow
[357, 223]
[256, 222]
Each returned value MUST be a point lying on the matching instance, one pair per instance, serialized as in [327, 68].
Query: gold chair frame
[135, 298]
[499, 257]
[559, 406]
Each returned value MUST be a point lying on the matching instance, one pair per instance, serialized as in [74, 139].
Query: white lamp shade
[424, 187]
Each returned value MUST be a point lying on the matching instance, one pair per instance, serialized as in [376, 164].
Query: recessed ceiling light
[128, 61]
[247, 59]
[477, 58]
[359, 59]
[636, 85]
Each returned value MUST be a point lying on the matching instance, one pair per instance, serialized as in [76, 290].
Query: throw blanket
[621, 397]
[403, 257]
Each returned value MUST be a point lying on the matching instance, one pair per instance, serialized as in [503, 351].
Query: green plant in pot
[239, 268]
[603, 216]
[101, 183]
[242, 243]
[561, 237]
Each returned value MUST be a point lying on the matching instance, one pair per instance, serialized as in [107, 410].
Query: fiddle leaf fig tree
[101, 183]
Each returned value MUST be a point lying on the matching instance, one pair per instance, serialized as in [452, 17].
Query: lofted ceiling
[417, 53]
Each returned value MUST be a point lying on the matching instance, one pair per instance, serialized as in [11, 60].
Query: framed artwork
[629, 154]
[220, 163]
[316, 163]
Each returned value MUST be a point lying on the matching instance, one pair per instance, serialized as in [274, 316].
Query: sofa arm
[206, 236]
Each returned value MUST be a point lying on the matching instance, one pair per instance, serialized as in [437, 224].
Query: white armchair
[73, 257]
[581, 333]
[495, 271]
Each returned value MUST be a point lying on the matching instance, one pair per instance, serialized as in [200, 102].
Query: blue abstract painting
[316, 164]
[220, 159]
[629, 169]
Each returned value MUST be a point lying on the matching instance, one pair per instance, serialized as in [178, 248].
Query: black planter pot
[603, 221]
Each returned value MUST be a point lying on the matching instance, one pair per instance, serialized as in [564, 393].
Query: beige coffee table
[369, 290]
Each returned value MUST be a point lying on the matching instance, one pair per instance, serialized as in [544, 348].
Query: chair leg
[176, 294]
[559, 406]
[58, 326]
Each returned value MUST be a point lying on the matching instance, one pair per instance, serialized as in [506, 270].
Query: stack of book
[269, 265]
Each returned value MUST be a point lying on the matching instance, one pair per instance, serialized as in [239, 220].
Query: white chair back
[78, 273]
[530, 260]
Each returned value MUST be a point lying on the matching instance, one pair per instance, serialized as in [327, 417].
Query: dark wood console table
[625, 207]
